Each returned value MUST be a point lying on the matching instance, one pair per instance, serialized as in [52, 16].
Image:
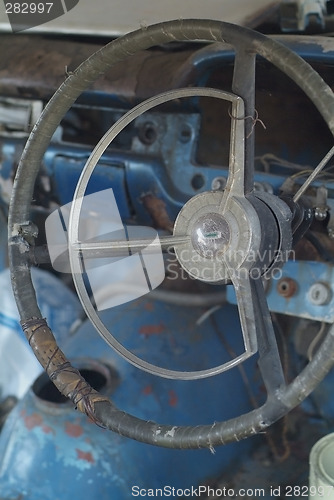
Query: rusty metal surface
[36, 66]
[157, 210]
[287, 287]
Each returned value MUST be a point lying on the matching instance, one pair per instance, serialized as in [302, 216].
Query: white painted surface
[116, 17]
[321, 483]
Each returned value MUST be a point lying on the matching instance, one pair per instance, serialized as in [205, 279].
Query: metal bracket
[296, 15]
[18, 115]
[304, 289]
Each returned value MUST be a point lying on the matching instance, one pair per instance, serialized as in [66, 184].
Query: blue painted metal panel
[19, 367]
[304, 274]
[91, 463]
[315, 48]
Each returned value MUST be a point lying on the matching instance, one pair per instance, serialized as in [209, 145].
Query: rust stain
[33, 420]
[47, 430]
[149, 306]
[287, 287]
[73, 430]
[157, 210]
[35, 67]
[173, 399]
[85, 455]
[147, 390]
[152, 329]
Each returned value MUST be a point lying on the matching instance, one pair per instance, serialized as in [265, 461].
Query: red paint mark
[149, 306]
[85, 455]
[73, 430]
[33, 420]
[47, 430]
[173, 399]
[147, 390]
[152, 329]
[172, 342]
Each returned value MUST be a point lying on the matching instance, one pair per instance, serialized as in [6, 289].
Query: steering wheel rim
[22, 233]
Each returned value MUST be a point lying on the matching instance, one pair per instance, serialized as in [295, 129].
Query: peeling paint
[147, 390]
[73, 430]
[23, 246]
[171, 432]
[48, 430]
[85, 455]
[32, 421]
[173, 399]
[152, 329]
[326, 43]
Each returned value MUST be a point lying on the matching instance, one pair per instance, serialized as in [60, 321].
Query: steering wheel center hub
[220, 240]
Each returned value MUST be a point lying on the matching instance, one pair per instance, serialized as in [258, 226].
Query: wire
[207, 314]
[189, 299]
[241, 368]
[328, 176]
[314, 174]
[268, 159]
[313, 344]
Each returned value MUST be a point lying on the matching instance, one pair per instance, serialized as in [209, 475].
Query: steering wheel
[212, 226]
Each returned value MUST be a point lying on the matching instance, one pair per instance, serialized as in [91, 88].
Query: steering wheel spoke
[258, 330]
[121, 247]
[240, 180]
[235, 185]
[243, 85]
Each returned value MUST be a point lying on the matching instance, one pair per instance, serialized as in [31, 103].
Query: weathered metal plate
[311, 297]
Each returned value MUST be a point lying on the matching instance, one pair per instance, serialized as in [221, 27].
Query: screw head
[148, 133]
[287, 287]
[320, 294]
[218, 184]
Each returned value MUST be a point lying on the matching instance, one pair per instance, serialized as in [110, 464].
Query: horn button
[226, 241]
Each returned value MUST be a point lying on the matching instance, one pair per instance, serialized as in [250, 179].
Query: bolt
[319, 294]
[287, 287]
[147, 133]
[330, 232]
[320, 213]
[218, 184]
[185, 134]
